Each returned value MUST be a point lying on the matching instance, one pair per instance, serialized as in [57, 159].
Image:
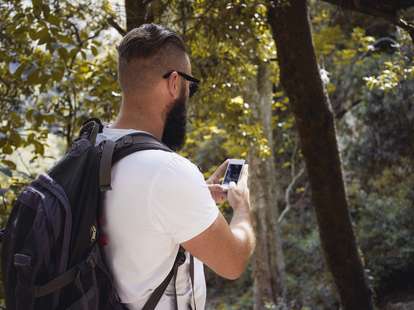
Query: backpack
[51, 247]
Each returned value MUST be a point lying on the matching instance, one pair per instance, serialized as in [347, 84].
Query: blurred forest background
[58, 68]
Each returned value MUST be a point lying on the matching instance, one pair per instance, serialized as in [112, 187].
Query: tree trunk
[137, 13]
[300, 77]
[268, 261]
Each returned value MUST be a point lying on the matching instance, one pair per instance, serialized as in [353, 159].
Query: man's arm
[226, 248]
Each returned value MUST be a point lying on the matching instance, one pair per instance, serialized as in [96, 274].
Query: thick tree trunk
[268, 261]
[300, 77]
[137, 13]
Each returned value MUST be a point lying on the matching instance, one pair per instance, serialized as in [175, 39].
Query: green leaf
[44, 36]
[73, 52]
[7, 149]
[65, 39]
[37, 6]
[94, 51]
[34, 77]
[46, 10]
[37, 3]
[63, 53]
[39, 147]
[57, 74]
[53, 19]
[18, 72]
[6, 171]
[9, 164]
[29, 114]
[15, 139]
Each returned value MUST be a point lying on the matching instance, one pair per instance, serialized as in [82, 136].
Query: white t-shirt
[158, 200]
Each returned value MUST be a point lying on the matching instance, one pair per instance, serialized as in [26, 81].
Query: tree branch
[340, 114]
[288, 193]
[117, 27]
[382, 9]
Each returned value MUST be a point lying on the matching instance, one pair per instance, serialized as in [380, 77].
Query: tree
[268, 260]
[300, 77]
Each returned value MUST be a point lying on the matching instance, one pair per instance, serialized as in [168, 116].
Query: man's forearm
[242, 229]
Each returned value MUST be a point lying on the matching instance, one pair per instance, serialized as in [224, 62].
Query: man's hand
[213, 182]
[218, 193]
[238, 194]
[218, 174]
[226, 248]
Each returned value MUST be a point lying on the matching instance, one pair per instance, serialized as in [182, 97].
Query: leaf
[18, 71]
[34, 77]
[53, 19]
[63, 53]
[39, 147]
[46, 10]
[15, 139]
[7, 172]
[65, 39]
[57, 74]
[37, 6]
[44, 36]
[29, 114]
[7, 149]
[94, 51]
[9, 164]
[37, 3]
[73, 52]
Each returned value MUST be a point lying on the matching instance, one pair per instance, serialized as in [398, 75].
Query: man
[159, 199]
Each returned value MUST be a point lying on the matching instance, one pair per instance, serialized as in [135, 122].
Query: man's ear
[173, 85]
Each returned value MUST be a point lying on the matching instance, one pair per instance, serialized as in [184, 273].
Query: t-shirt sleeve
[180, 200]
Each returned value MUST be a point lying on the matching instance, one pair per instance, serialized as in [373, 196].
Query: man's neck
[152, 125]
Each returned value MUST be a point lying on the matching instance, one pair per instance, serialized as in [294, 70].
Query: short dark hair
[146, 40]
[151, 48]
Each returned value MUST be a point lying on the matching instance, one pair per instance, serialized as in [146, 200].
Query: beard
[175, 124]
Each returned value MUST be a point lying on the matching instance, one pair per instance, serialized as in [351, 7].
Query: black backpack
[51, 254]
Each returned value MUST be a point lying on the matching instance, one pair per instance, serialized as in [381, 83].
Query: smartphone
[233, 172]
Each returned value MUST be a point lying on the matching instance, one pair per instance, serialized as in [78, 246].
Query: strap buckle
[127, 141]
[180, 259]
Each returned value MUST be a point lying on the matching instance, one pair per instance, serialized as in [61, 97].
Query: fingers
[244, 177]
[216, 188]
[218, 193]
[215, 177]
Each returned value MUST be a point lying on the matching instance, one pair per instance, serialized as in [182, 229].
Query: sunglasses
[193, 81]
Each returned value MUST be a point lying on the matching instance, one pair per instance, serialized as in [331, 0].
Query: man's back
[158, 201]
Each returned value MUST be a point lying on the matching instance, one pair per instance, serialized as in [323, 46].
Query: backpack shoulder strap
[159, 291]
[112, 152]
[90, 129]
[135, 142]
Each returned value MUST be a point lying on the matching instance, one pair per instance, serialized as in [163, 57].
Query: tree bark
[137, 13]
[300, 77]
[268, 261]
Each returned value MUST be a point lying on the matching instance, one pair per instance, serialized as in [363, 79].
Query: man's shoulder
[159, 160]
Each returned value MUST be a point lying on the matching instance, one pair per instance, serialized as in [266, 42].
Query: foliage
[59, 67]
[51, 52]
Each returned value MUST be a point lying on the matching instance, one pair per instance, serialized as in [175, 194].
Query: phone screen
[232, 174]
